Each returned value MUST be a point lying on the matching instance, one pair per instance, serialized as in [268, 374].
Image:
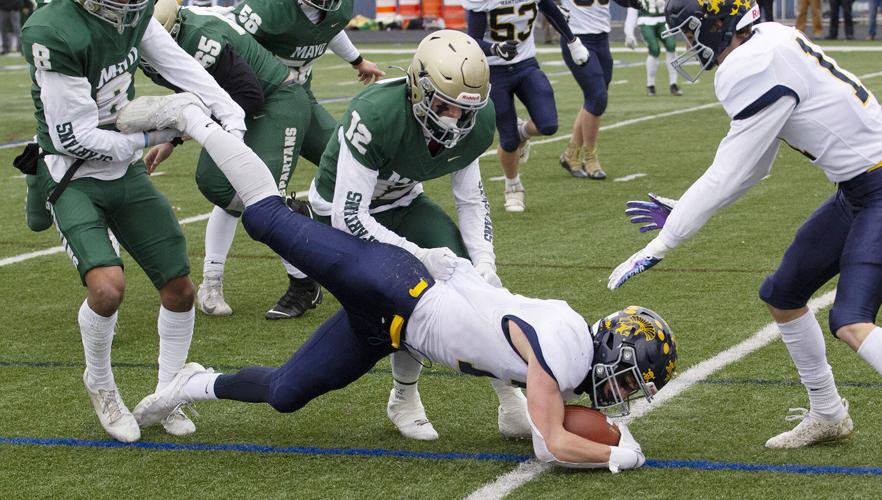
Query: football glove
[440, 262]
[631, 42]
[488, 272]
[655, 212]
[506, 50]
[649, 256]
[578, 51]
[628, 454]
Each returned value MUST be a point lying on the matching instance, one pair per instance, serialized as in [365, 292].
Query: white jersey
[508, 20]
[837, 122]
[778, 85]
[459, 323]
[588, 16]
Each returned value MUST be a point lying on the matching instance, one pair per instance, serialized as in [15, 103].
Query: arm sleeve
[557, 19]
[350, 210]
[477, 27]
[343, 47]
[235, 76]
[631, 22]
[473, 210]
[72, 118]
[184, 72]
[743, 158]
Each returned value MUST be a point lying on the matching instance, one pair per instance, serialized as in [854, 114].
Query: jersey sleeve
[46, 49]
[473, 211]
[478, 5]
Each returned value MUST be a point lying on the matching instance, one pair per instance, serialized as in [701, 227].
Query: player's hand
[368, 72]
[157, 155]
[488, 272]
[506, 50]
[654, 212]
[630, 42]
[440, 262]
[621, 458]
[627, 440]
[578, 51]
[649, 256]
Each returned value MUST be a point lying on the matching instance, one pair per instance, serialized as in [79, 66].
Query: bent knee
[547, 129]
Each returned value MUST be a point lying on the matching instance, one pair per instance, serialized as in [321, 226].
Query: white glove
[649, 256]
[578, 51]
[631, 42]
[488, 272]
[441, 262]
[627, 455]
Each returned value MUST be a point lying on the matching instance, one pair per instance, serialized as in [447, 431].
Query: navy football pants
[525, 80]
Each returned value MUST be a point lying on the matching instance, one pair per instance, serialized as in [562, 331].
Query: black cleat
[675, 90]
[298, 206]
[303, 294]
[650, 90]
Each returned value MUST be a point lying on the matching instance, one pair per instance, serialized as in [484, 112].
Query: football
[590, 424]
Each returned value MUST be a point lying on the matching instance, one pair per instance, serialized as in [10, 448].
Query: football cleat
[675, 90]
[112, 412]
[303, 294]
[812, 430]
[650, 90]
[405, 410]
[514, 198]
[210, 295]
[161, 406]
[178, 424]
[573, 166]
[157, 113]
[591, 164]
[524, 146]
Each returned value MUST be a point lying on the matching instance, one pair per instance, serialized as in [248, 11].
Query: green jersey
[204, 33]
[284, 29]
[652, 8]
[382, 134]
[62, 37]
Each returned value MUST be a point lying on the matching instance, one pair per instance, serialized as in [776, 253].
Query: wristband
[357, 60]
[177, 141]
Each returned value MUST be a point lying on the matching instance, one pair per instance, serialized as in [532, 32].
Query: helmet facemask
[615, 384]
[445, 129]
[697, 52]
[325, 5]
[120, 14]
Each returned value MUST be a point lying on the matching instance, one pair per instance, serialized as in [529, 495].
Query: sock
[97, 334]
[175, 333]
[805, 343]
[405, 372]
[672, 73]
[589, 152]
[293, 271]
[246, 172]
[250, 385]
[871, 349]
[508, 395]
[200, 387]
[651, 70]
[572, 151]
[509, 183]
[219, 234]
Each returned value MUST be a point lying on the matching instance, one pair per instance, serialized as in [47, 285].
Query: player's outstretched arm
[653, 213]
[368, 72]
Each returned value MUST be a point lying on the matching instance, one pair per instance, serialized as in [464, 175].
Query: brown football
[590, 424]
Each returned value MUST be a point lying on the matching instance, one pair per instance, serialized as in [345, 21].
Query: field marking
[625, 50]
[631, 177]
[510, 481]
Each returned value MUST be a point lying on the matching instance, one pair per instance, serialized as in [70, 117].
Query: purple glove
[655, 212]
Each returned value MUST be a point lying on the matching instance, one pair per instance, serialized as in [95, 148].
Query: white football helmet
[448, 70]
[121, 14]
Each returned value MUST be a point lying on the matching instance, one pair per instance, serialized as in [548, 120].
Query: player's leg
[303, 292]
[593, 78]
[648, 32]
[810, 261]
[670, 44]
[342, 350]
[534, 90]
[83, 229]
[502, 82]
[147, 228]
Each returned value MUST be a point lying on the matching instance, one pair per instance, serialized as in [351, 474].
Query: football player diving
[298, 32]
[777, 86]
[83, 55]
[395, 135]
[504, 31]
[446, 311]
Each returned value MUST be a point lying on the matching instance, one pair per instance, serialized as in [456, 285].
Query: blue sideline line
[380, 452]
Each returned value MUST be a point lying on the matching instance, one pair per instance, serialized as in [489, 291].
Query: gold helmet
[166, 12]
[448, 70]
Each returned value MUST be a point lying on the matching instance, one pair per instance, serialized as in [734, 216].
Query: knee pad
[287, 399]
[596, 105]
[778, 298]
[842, 315]
[509, 142]
[547, 128]
[654, 50]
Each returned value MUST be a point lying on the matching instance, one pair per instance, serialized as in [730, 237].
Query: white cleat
[178, 424]
[210, 296]
[524, 146]
[407, 413]
[514, 198]
[161, 406]
[812, 430]
[112, 412]
[156, 113]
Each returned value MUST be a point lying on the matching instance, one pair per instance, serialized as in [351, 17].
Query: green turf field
[705, 442]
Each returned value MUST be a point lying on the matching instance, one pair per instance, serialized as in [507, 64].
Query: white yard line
[531, 469]
[629, 177]
[617, 50]
[302, 194]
